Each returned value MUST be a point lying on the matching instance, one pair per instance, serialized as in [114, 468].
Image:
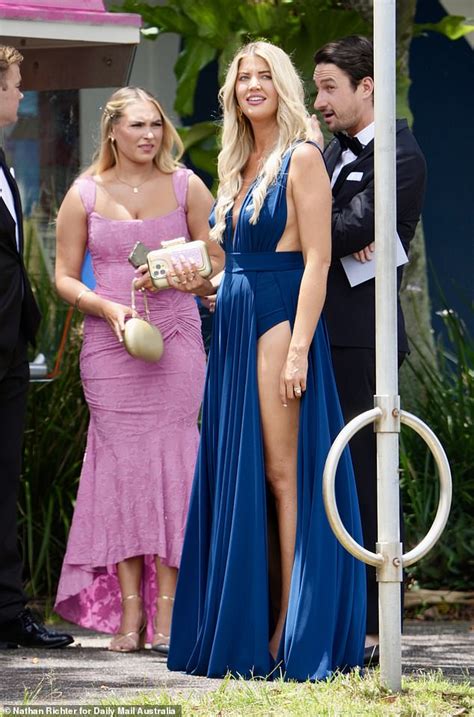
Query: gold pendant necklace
[134, 187]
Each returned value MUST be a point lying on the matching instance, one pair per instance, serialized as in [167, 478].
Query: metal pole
[388, 426]
[386, 413]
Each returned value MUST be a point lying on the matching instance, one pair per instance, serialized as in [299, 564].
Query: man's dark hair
[354, 55]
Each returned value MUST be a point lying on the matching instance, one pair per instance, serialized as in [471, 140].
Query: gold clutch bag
[141, 338]
[160, 260]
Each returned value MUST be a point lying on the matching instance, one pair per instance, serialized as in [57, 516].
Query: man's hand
[316, 133]
[365, 254]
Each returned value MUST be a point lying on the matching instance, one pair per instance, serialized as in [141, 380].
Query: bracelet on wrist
[79, 297]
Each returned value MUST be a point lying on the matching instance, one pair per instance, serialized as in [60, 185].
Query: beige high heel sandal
[161, 642]
[129, 641]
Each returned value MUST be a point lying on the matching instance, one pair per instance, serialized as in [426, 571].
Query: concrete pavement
[87, 673]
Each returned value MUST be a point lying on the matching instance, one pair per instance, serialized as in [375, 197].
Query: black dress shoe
[26, 630]
[371, 656]
[7, 645]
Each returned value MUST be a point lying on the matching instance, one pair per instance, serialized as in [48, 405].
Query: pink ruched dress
[143, 438]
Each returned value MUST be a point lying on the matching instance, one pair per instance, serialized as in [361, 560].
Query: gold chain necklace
[134, 187]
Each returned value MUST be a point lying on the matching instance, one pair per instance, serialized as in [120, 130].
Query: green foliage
[54, 447]
[200, 142]
[452, 26]
[54, 440]
[195, 56]
[446, 403]
[214, 29]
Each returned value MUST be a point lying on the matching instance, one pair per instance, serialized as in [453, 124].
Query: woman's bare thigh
[279, 424]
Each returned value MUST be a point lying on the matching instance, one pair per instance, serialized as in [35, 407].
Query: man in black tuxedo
[345, 87]
[19, 319]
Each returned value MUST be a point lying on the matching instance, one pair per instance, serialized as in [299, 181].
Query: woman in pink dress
[124, 548]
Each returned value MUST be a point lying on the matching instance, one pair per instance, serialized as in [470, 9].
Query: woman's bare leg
[280, 442]
[166, 579]
[130, 576]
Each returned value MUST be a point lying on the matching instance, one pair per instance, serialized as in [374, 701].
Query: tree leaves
[216, 28]
[195, 55]
[452, 26]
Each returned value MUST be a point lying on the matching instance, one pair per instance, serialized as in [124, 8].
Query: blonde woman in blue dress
[270, 410]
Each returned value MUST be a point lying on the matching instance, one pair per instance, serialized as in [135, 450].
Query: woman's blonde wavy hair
[237, 138]
[171, 148]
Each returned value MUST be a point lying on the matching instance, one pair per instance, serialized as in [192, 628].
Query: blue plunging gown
[222, 616]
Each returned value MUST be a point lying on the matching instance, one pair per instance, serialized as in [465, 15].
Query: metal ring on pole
[329, 492]
[445, 488]
[329, 488]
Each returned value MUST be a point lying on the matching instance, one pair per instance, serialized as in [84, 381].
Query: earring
[112, 139]
[239, 113]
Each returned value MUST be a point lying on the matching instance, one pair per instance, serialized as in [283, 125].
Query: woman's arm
[311, 194]
[199, 205]
[209, 301]
[185, 276]
[71, 240]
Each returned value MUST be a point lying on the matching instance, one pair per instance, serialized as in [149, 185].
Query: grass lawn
[428, 694]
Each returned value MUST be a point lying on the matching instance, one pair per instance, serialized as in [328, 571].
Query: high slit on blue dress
[222, 617]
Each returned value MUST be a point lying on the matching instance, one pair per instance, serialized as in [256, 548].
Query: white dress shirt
[7, 196]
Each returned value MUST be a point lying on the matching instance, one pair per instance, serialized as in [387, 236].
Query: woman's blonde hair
[237, 135]
[171, 148]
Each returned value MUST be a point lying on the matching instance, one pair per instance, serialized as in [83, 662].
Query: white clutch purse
[141, 338]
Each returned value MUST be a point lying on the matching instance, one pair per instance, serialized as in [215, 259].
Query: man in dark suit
[345, 87]
[19, 319]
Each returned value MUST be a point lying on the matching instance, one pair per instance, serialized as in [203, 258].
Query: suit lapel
[352, 166]
[367, 152]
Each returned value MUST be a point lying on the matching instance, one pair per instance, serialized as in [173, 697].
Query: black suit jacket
[18, 309]
[350, 311]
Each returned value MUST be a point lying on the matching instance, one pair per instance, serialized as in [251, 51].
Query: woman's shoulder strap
[299, 144]
[180, 183]
[311, 141]
[87, 190]
[289, 153]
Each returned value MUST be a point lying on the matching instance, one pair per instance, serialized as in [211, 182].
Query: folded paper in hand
[358, 272]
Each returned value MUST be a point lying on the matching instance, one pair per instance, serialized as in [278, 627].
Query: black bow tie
[348, 142]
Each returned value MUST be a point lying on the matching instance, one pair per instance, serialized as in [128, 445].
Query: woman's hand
[185, 277]
[209, 302]
[143, 280]
[293, 375]
[115, 315]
